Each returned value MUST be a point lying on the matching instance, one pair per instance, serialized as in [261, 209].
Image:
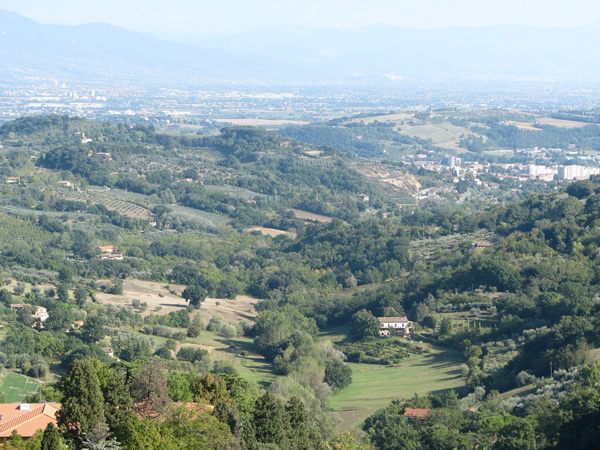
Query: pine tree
[302, 433]
[83, 403]
[149, 390]
[271, 421]
[51, 439]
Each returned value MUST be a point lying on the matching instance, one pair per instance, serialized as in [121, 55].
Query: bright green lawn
[374, 386]
[15, 387]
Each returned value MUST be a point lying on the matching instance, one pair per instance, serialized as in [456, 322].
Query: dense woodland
[179, 209]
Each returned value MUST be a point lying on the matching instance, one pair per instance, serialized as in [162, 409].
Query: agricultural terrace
[122, 207]
[14, 229]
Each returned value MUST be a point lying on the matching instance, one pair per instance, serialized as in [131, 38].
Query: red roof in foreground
[416, 412]
[15, 416]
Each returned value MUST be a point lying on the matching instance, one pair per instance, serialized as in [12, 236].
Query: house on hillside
[26, 418]
[415, 413]
[40, 313]
[104, 155]
[110, 252]
[66, 183]
[394, 325]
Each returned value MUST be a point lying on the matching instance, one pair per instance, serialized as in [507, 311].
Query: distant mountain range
[374, 54]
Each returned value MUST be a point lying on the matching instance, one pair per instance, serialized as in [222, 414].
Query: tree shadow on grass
[244, 351]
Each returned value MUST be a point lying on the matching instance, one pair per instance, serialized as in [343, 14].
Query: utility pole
[551, 374]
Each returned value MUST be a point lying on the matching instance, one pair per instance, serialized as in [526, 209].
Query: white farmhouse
[394, 325]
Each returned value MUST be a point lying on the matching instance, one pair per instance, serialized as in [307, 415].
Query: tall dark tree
[51, 439]
[302, 433]
[93, 329]
[271, 421]
[83, 403]
[149, 390]
[117, 399]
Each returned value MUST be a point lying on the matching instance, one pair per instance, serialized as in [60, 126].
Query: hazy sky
[230, 16]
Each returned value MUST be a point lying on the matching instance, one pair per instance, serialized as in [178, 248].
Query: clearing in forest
[270, 231]
[374, 386]
[310, 216]
[163, 298]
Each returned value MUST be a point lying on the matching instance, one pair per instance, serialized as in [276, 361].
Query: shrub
[193, 331]
[523, 378]
[229, 330]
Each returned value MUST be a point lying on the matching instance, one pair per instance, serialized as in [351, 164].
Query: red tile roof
[416, 412]
[26, 421]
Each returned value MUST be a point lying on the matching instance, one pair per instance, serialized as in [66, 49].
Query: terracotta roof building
[418, 413]
[26, 418]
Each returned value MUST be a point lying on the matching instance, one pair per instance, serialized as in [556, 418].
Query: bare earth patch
[153, 293]
[269, 231]
[393, 181]
[242, 308]
[161, 300]
[561, 123]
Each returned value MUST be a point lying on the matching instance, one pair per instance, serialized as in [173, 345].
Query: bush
[180, 336]
[163, 353]
[216, 324]
[229, 330]
[191, 354]
[193, 331]
[223, 367]
[524, 378]
[337, 374]
[171, 344]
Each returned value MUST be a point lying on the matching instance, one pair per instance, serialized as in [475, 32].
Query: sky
[209, 17]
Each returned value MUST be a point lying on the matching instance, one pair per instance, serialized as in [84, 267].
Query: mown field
[374, 386]
[16, 387]
[311, 216]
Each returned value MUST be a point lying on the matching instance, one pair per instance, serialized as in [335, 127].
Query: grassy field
[15, 387]
[311, 216]
[442, 134]
[374, 386]
[238, 351]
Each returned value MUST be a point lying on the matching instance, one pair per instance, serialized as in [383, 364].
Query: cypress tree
[51, 438]
[83, 403]
[271, 421]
